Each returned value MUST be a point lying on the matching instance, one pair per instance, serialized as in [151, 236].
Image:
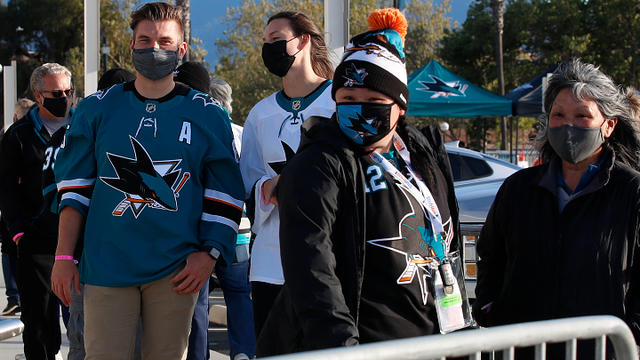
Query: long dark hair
[586, 81]
[302, 24]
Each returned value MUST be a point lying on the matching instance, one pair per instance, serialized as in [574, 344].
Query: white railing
[10, 328]
[501, 338]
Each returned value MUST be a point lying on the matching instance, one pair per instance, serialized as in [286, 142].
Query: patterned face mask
[364, 123]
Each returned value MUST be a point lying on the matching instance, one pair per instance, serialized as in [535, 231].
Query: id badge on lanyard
[448, 297]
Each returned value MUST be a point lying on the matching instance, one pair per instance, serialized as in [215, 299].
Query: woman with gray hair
[571, 226]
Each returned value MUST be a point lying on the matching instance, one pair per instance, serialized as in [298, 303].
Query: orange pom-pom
[390, 18]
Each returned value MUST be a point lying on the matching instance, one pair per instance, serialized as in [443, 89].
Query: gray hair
[37, 76]
[22, 107]
[587, 82]
[221, 91]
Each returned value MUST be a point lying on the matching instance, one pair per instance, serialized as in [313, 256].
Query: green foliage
[540, 33]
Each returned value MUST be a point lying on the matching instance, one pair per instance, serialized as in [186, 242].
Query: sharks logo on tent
[144, 182]
[440, 88]
[354, 76]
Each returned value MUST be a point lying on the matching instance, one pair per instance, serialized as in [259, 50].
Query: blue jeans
[9, 272]
[234, 280]
[199, 336]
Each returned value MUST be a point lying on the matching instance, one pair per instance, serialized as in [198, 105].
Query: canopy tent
[527, 98]
[436, 91]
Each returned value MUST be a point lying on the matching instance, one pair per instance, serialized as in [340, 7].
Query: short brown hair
[156, 11]
[302, 24]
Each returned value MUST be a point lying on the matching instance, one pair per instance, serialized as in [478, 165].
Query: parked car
[477, 178]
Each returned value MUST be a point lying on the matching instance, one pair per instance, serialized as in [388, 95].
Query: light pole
[105, 50]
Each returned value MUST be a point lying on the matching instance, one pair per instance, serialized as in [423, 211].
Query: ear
[609, 126]
[306, 39]
[402, 111]
[182, 50]
[131, 42]
[37, 96]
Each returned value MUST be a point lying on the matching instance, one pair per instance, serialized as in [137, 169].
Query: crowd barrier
[503, 339]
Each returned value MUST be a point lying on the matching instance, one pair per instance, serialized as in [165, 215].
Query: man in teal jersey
[151, 167]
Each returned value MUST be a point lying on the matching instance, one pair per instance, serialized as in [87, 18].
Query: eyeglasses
[59, 93]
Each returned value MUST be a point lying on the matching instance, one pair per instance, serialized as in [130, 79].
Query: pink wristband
[66, 257]
[16, 236]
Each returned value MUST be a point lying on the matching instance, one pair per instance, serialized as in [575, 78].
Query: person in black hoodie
[360, 246]
[22, 157]
[562, 239]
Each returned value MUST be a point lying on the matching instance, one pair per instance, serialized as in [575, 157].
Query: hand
[268, 196]
[197, 271]
[63, 274]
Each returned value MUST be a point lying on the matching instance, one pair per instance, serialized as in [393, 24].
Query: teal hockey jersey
[156, 180]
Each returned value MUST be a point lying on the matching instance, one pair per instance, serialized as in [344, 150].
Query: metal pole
[91, 45]
[336, 25]
[10, 95]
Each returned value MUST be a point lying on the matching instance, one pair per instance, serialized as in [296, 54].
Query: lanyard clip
[448, 278]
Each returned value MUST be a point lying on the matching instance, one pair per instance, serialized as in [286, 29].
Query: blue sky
[207, 16]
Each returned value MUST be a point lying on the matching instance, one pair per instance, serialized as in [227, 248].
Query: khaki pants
[112, 315]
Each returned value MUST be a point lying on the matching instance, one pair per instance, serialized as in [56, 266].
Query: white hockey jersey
[271, 137]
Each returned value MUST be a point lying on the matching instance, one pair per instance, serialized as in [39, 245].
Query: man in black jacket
[22, 158]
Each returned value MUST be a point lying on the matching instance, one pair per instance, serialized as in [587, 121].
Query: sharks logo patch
[206, 100]
[144, 182]
[440, 88]
[415, 242]
[354, 76]
[100, 93]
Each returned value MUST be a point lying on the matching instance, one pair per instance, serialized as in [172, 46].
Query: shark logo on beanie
[375, 59]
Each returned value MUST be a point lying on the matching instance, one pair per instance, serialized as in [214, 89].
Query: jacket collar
[548, 178]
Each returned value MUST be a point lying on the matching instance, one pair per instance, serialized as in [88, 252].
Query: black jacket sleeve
[11, 201]
[490, 249]
[309, 193]
[632, 299]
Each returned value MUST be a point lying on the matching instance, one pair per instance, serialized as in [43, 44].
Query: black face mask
[56, 106]
[275, 57]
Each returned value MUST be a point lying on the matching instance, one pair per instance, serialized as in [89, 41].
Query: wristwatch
[213, 252]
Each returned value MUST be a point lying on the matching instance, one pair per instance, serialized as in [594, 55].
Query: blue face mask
[364, 123]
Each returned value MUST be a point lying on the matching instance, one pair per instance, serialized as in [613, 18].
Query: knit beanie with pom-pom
[375, 59]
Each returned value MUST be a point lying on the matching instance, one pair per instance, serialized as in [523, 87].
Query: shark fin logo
[144, 182]
[418, 245]
[440, 88]
[278, 166]
[206, 99]
[354, 76]
[363, 126]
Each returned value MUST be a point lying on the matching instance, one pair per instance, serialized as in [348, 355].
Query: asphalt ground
[218, 340]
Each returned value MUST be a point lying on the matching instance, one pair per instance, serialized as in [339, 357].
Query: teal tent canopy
[436, 91]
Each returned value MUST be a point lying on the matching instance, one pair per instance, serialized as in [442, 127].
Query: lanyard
[422, 193]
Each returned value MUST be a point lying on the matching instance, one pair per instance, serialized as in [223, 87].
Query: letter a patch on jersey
[144, 182]
[185, 133]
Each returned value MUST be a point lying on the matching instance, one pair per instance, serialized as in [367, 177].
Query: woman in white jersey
[293, 49]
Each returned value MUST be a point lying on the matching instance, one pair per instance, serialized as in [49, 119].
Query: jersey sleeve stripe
[223, 209]
[77, 197]
[75, 183]
[220, 219]
[222, 197]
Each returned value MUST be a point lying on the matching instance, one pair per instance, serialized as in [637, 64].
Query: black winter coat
[538, 263]
[321, 195]
[21, 202]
